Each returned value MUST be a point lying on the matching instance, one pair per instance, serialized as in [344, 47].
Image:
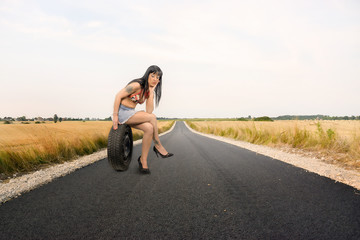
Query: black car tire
[120, 147]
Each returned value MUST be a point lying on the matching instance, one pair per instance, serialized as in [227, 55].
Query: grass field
[25, 147]
[336, 141]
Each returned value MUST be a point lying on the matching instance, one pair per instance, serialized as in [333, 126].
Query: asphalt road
[208, 190]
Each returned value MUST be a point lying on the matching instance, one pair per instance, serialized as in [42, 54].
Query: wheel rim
[127, 146]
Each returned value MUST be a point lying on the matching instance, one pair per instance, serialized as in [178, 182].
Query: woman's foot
[143, 164]
[162, 155]
[141, 168]
[160, 149]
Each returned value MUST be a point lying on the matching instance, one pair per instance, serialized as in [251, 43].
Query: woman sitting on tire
[139, 91]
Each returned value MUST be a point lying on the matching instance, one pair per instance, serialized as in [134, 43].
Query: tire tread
[115, 148]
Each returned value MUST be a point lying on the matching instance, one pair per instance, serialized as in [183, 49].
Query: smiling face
[153, 79]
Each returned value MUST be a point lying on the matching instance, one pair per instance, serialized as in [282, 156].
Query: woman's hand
[152, 88]
[116, 121]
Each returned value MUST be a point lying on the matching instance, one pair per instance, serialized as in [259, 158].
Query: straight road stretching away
[208, 190]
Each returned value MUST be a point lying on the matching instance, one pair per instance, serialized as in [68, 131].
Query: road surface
[208, 190]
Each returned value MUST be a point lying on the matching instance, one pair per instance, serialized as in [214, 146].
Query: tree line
[55, 119]
[315, 117]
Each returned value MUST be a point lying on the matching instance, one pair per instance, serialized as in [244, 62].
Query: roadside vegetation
[334, 141]
[27, 147]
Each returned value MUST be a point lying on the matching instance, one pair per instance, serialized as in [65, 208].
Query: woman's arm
[123, 93]
[150, 102]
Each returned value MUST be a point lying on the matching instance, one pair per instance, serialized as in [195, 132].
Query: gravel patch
[16, 186]
[312, 164]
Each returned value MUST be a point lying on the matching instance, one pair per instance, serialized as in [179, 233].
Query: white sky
[219, 58]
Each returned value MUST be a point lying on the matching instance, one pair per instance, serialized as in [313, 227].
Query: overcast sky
[219, 58]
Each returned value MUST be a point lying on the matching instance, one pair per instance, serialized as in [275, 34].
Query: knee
[148, 128]
[152, 117]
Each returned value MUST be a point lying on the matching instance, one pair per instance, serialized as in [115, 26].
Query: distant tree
[242, 119]
[265, 118]
[60, 119]
[23, 118]
[55, 118]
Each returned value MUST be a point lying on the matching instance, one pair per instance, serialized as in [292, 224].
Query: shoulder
[138, 83]
[133, 87]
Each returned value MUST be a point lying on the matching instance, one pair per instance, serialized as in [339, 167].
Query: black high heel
[141, 169]
[163, 156]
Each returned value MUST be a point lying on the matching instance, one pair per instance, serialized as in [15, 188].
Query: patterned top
[136, 97]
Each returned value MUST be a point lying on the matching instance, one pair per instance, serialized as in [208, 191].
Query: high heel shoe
[141, 169]
[163, 156]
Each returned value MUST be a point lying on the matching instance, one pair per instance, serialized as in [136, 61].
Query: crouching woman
[136, 92]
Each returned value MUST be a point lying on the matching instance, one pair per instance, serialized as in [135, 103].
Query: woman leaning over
[139, 91]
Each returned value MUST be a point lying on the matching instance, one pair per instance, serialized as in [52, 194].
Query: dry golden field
[334, 141]
[24, 147]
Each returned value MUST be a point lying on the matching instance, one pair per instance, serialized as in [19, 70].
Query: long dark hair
[143, 81]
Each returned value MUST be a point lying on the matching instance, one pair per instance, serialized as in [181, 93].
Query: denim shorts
[125, 113]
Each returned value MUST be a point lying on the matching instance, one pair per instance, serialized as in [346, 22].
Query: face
[154, 78]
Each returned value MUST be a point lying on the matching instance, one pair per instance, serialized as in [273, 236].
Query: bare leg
[147, 128]
[143, 117]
